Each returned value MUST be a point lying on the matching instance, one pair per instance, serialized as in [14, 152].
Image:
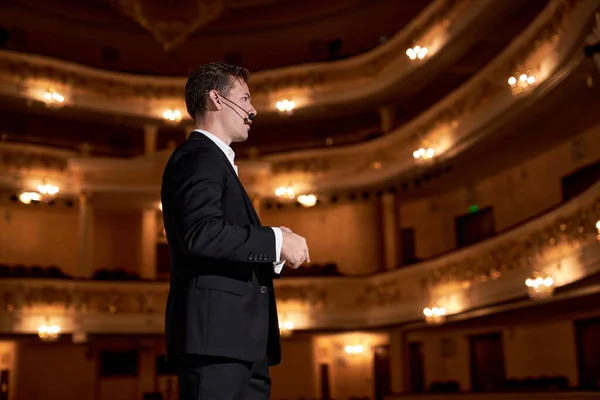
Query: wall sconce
[520, 84]
[356, 349]
[417, 52]
[172, 115]
[285, 191]
[28, 197]
[424, 154]
[49, 333]
[307, 200]
[540, 286]
[286, 106]
[47, 190]
[53, 99]
[286, 328]
[434, 315]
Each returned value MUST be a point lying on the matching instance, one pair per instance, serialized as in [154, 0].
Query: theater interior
[441, 158]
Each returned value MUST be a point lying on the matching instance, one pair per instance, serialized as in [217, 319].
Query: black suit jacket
[221, 300]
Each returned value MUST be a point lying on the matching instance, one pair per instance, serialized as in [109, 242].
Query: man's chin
[241, 138]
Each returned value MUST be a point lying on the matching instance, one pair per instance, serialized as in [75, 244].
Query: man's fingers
[285, 229]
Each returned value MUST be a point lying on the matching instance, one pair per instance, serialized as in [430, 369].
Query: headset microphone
[250, 115]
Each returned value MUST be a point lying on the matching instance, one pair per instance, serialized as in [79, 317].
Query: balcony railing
[563, 244]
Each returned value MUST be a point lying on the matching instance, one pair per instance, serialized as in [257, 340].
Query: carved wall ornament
[573, 228]
[379, 294]
[523, 253]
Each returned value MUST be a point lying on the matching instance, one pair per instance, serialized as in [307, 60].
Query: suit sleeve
[196, 206]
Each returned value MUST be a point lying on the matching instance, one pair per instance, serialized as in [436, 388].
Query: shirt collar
[224, 147]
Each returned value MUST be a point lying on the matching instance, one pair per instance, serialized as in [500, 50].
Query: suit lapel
[247, 202]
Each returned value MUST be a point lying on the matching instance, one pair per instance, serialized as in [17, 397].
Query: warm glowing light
[356, 349]
[307, 200]
[28, 197]
[423, 153]
[417, 52]
[53, 98]
[539, 286]
[434, 315]
[286, 328]
[286, 106]
[49, 333]
[47, 189]
[285, 191]
[521, 83]
[172, 115]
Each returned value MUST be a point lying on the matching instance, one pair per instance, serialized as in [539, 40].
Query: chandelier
[539, 286]
[171, 22]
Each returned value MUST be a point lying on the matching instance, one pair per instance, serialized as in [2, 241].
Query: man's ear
[214, 100]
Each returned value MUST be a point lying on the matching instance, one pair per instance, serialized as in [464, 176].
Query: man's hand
[293, 248]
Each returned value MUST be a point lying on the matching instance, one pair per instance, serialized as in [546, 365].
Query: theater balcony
[443, 165]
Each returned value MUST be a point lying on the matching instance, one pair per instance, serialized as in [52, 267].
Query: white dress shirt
[230, 154]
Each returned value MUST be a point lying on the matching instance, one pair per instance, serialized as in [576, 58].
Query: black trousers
[219, 378]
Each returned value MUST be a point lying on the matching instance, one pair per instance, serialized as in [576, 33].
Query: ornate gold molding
[455, 119]
[564, 241]
[171, 24]
[90, 83]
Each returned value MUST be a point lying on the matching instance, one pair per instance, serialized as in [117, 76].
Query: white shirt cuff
[278, 265]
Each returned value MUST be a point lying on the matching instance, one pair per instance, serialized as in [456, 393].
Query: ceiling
[170, 37]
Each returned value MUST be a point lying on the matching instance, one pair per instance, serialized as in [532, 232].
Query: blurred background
[442, 158]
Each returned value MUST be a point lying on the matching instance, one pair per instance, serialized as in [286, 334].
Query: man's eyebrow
[247, 94]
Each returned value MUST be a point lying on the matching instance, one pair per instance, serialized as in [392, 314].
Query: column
[85, 267]
[148, 244]
[150, 139]
[387, 117]
[147, 371]
[389, 224]
[398, 361]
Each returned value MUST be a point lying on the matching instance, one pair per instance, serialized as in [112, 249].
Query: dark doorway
[381, 366]
[163, 261]
[487, 362]
[587, 333]
[416, 367]
[407, 243]
[324, 375]
[4, 386]
[475, 227]
[579, 181]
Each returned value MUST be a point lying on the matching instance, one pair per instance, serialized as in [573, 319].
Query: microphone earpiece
[250, 115]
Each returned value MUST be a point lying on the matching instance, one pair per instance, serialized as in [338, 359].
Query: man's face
[233, 116]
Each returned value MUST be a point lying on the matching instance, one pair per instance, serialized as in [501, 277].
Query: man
[221, 318]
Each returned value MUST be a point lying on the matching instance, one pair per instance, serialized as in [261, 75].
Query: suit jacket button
[263, 289]
[250, 257]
